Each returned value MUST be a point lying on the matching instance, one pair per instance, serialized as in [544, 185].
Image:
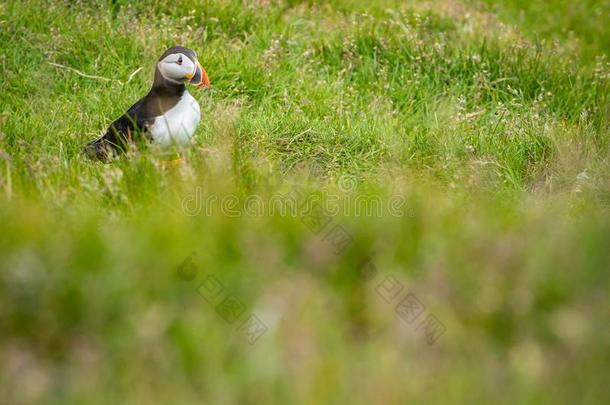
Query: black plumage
[133, 126]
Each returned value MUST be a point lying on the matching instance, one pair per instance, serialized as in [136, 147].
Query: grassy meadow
[444, 167]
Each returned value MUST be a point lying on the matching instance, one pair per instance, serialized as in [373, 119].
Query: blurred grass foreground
[386, 202]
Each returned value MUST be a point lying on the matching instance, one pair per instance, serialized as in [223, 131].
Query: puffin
[168, 115]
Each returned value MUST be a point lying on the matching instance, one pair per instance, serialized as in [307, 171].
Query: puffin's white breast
[178, 124]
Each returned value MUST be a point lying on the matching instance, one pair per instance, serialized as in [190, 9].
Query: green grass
[486, 124]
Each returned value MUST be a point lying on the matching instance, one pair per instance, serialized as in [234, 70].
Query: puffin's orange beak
[200, 78]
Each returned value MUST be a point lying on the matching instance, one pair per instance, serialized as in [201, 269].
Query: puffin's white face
[177, 67]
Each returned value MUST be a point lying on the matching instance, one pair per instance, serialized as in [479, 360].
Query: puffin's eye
[179, 61]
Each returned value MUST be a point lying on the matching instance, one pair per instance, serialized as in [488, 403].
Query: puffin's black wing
[129, 127]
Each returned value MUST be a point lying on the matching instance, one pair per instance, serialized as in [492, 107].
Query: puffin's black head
[180, 65]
